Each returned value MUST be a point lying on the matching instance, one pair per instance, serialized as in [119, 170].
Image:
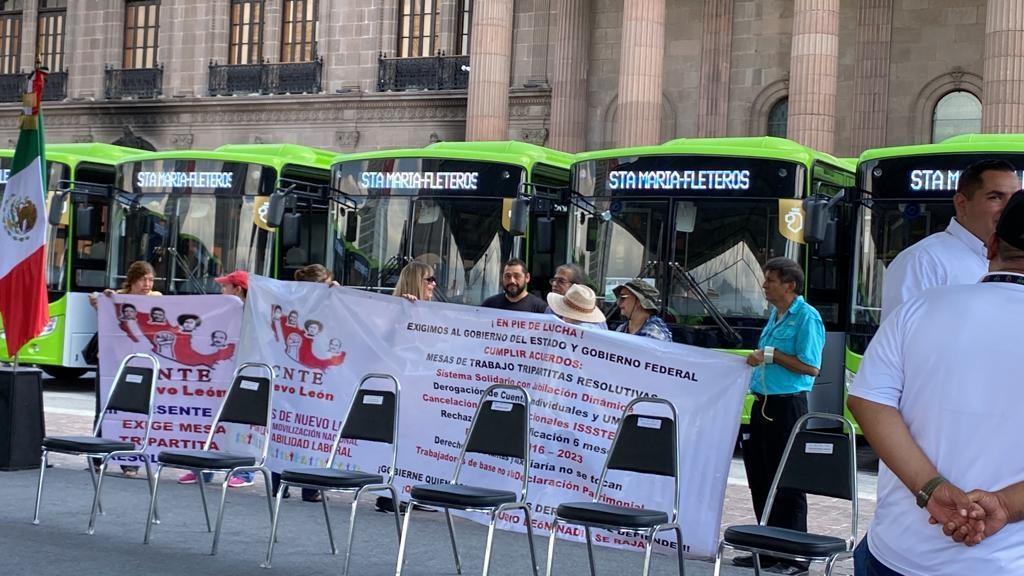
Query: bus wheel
[64, 373]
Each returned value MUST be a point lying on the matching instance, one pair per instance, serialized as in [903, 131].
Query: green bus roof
[507, 152]
[965, 144]
[72, 154]
[741, 147]
[277, 156]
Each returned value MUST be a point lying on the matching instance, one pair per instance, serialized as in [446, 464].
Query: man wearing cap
[957, 255]
[638, 303]
[577, 306]
[785, 364]
[939, 395]
[235, 284]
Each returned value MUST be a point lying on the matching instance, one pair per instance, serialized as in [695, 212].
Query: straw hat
[579, 303]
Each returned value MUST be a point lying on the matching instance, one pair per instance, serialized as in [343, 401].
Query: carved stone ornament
[346, 139]
[82, 138]
[182, 141]
[434, 138]
[537, 136]
[258, 140]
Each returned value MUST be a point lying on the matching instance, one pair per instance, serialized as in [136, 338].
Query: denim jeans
[865, 564]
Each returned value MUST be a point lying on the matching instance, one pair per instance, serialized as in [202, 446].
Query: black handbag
[91, 352]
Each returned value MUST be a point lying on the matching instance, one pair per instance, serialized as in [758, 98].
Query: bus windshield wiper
[681, 274]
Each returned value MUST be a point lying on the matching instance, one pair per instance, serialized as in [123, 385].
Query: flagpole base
[21, 418]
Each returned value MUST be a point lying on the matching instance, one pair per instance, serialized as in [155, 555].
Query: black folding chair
[643, 444]
[248, 401]
[499, 428]
[372, 416]
[132, 391]
[819, 463]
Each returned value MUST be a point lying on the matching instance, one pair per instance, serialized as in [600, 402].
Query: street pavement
[181, 545]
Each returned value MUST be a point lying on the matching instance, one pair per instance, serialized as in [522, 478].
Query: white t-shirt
[948, 361]
[953, 256]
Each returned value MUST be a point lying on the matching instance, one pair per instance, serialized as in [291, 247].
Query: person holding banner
[577, 306]
[785, 364]
[416, 282]
[515, 297]
[234, 284]
[638, 303]
[138, 281]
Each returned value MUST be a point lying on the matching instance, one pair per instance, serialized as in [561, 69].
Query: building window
[465, 25]
[417, 28]
[298, 42]
[50, 34]
[141, 27]
[778, 118]
[956, 113]
[10, 36]
[246, 32]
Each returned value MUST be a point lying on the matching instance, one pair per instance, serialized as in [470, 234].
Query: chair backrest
[646, 444]
[133, 390]
[500, 427]
[248, 401]
[373, 416]
[819, 463]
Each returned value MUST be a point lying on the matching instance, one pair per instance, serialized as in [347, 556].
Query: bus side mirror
[519, 216]
[85, 220]
[827, 247]
[593, 230]
[816, 219]
[289, 230]
[351, 226]
[56, 208]
[544, 232]
[276, 208]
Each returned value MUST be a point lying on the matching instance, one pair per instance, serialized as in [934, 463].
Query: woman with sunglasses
[416, 282]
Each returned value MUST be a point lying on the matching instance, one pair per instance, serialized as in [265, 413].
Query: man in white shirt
[938, 396]
[956, 255]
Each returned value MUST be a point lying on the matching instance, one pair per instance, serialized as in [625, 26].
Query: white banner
[322, 340]
[194, 338]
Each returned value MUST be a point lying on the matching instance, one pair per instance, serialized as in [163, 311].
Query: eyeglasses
[559, 281]
[430, 280]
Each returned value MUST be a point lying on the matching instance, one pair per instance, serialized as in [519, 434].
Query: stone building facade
[840, 75]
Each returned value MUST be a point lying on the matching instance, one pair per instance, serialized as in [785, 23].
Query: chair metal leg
[551, 545]
[648, 548]
[398, 511]
[39, 488]
[679, 550]
[830, 564]
[270, 496]
[152, 503]
[590, 550]
[327, 519]
[92, 476]
[276, 516]
[451, 534]
[220, 516]
[718, 559]
[757, 565]
[96, 498]
[202, 494]
[404, 537]
[351, 534]
[490, 541]
[151, 483]
[529, 537]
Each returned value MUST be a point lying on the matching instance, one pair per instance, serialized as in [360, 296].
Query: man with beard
[515, 297]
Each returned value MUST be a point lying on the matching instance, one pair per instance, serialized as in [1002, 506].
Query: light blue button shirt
[800, 333]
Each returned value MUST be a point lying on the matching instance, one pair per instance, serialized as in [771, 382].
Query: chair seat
[85, 444]
[460, 495]
[784, 540]
[600, 513]
[331, 477]
[204, 459]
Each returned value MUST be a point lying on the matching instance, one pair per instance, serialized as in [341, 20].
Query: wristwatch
[925, 493]
[769, 354]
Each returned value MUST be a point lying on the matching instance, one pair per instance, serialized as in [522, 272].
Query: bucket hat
[646, 294]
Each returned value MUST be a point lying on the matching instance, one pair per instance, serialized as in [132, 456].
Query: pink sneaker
[239, 482]
[188, 478]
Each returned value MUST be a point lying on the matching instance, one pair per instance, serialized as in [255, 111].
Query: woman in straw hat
[577, 306]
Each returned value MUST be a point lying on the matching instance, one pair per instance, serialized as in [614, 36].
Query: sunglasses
[430, 280]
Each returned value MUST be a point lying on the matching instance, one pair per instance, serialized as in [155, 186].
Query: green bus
[903, 195]
[76, 254]
[698, 218]
[195, 215]
[463, 207]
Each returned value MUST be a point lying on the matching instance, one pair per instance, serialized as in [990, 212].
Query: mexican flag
[23, 303]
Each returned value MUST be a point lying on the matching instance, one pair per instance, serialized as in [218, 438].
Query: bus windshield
[193, 220]
[716, 220]
[449, 214]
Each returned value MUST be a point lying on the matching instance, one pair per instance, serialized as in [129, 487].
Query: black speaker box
[21, 418]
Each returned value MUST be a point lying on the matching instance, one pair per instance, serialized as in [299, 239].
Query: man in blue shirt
[785, 364]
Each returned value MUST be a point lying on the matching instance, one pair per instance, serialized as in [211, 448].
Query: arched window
[778, 118]
[956, 113]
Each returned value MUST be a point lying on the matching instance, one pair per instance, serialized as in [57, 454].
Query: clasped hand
[967, 517]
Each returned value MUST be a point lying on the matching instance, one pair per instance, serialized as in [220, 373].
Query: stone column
[871, 75]
[715, 58]
[814, 62]
[93, 41]
[1003, 108]
[490, 65]
[188, 40]
[272, 31]
[569, 78]
[29, 25]
[447, 26]
[641, 73]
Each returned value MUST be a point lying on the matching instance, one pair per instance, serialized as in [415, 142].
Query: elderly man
[938, 396]
[956, 255]
[785, 365]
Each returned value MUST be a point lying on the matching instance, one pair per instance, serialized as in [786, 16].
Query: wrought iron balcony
[266, 78]
[12, 86]
[430, 73]
[134, 83]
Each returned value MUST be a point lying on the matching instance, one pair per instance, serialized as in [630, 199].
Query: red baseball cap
[238, 278]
